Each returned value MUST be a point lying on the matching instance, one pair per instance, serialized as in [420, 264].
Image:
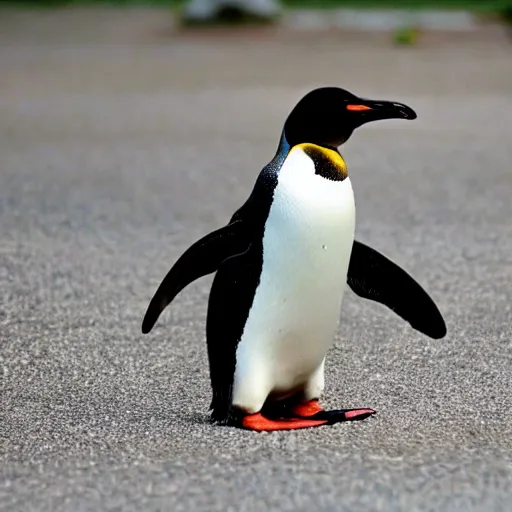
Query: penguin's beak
[370, 110]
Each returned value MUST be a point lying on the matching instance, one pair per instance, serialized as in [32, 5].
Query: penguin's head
[328, 116]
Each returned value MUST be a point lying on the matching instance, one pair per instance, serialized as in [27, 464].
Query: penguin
[282, 265]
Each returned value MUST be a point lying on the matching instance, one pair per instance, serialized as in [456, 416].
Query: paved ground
[118, 152]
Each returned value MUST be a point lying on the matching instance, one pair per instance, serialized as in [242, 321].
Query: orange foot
[306, 409]
[303, 415]
[261, 424]
[313, 411]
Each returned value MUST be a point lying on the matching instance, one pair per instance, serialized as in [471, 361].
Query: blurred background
[128, 129]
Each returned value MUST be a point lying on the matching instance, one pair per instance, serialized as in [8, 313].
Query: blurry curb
[405, 27]
[381, 20]
[350, 19]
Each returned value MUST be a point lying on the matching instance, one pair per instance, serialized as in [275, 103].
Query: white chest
[307, 243]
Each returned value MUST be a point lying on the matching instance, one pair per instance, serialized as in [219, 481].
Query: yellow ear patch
[325, 159]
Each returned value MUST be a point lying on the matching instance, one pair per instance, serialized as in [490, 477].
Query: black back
[234, 287]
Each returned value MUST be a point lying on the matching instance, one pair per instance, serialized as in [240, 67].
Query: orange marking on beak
[358, 108]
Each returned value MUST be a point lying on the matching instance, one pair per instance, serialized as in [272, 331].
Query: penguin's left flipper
[200, 259]
[373, 276]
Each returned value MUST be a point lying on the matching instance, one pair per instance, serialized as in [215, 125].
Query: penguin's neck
[284, 147]
[328, 161]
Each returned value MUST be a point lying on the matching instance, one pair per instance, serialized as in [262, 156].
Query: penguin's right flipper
[373, 276]
[200, 259]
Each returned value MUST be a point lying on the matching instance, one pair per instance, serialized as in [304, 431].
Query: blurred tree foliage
[504, 7]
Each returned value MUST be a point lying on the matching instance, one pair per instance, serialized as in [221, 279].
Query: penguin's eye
[358, 108]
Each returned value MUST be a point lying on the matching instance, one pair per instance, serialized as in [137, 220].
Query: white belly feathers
[307, 243]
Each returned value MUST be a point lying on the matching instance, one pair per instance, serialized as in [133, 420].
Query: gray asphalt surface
[120, 147]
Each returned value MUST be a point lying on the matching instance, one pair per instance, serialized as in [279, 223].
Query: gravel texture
[116, 154]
